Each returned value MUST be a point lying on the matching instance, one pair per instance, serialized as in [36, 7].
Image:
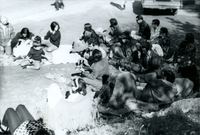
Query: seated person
[144, 29]
[164, 41]
[155, 29]
[125, 50]
[34, 56]
[114, 31]
[21, 122]
[23, 36]
[89, 34]
[185, 55]
[99, 67]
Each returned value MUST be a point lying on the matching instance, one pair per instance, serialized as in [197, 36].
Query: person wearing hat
[125, 51]
[144, 29]
[34, 56]
[6, 35]
[89, 34]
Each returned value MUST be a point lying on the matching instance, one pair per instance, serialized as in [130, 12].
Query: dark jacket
[144, 30]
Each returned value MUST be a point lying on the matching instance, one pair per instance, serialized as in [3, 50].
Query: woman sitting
[20, 43]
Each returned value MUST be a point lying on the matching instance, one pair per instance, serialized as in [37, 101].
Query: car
[173, 5]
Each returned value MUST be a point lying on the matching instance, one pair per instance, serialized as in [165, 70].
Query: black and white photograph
[99, 67]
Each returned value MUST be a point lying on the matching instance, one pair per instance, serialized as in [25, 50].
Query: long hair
[25, 31]
[53, 25]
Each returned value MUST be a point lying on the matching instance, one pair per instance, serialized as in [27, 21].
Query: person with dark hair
[53, 37]
[23, 36]
[164, 41]
[185, 59]
[155, 29]
[114, 31]
[21, 122]
[34, 56]
[6, 35]
[144, 29]
[185, 55]
[58, 4]
[99, 67]
[89, 34]
[125, 51]
[52, 40]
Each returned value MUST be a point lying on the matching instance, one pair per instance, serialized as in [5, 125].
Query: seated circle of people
[138, 56]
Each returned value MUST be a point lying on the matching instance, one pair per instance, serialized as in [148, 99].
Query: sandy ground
[18, 86]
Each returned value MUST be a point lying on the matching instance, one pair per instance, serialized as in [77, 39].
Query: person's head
[168, 75]
[113, 22]
[45, 131]
[25, 32]
[145, 47]
[155, 23]
[54, 26]
[139, 19]
[3, 20]
[189, 37]
[125, 36]
[96, 55]
[163, 31]
[37, 41]
[88, 27]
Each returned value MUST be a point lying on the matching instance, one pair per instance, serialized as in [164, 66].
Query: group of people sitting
[115, 63]
[28, 46]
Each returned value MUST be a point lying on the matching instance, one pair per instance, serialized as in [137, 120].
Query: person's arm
[47, 36]
[152, 78]
[55, 36]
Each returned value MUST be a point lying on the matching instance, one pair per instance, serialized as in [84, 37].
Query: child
[34, 56]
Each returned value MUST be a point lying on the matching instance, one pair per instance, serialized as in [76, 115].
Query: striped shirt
[6, 33]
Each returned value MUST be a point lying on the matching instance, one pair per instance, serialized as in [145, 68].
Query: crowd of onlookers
[113, 56]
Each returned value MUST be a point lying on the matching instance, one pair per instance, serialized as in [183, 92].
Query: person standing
[58, 4]
[6, 35]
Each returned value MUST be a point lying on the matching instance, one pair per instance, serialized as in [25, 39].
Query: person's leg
[11, 119]
[25, 63]
[93, 82]
[23, 113]
[36, 65]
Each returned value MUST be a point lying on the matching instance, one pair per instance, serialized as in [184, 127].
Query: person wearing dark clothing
[23, 35]
[34, 56]
[185, 55]
[58, 4]
[89, 34]
[114, 31]
[144, 29]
